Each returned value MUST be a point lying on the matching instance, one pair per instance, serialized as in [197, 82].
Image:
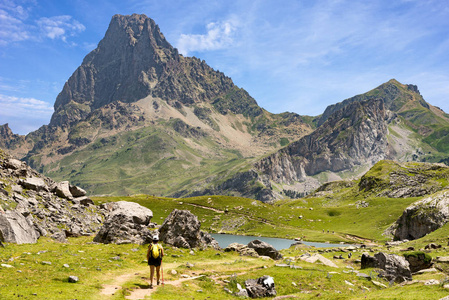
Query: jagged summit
[134, 61]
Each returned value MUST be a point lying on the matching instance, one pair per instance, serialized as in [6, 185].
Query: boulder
[77, 191]
[262, 287]
[34, 183]
[317, 257]
[241, 249]
[15, 228]
[368, 261]
[422, 217]
[62, 189]
[395, 267]
[418, 261]
[265, 249]
[182, 229]
[13, 164]
[126, 223]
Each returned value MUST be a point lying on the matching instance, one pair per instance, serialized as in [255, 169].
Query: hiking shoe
[151, 286]
[158, 283]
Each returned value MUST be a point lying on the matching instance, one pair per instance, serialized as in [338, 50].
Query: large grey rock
[418, 261]
[241, 249]
[77, 191]
[262, 287]
[396, 267]
[422, 217]
[182, 229]
[15, 228]
[265, 249]
[126, 223]
[13, 164]
[34, 183]
[368, 261]
[62, 189]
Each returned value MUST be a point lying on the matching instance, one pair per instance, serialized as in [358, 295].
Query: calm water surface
[225, 240]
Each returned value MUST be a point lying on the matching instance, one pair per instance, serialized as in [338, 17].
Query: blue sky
[290, 55]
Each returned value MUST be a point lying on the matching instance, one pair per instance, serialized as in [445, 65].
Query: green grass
[99, 264]
[147, 161]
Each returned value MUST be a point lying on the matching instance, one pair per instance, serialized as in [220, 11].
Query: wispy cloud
[59, 27]
[219, 35]
[24, 107]
[12, 27]
[16, 26]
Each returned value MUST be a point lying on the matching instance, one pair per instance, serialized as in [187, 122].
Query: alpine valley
[137, 117]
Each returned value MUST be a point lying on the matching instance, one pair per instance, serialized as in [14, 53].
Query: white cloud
[24, 107]
[12, 28]
[60, 27]
[16, 26]
[219, 35]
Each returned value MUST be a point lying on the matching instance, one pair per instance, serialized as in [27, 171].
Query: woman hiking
[154, 257]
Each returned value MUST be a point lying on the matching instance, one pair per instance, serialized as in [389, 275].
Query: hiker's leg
[158, 274]
[151, 274]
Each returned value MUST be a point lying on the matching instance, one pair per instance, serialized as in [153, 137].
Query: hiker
[154, 257]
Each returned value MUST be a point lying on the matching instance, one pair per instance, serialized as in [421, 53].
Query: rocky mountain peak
[125, 66]
[395, 95]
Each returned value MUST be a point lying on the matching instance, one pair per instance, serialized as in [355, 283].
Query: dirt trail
[146, 291]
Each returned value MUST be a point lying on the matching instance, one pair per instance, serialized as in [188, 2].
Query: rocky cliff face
[32, 205]
[354, 135]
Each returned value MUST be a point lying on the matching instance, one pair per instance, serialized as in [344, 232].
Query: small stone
[6, 266]
[66, 266]
[73, 279]
[349, 283]
[46, 263]
[173, 272]
[379, 284]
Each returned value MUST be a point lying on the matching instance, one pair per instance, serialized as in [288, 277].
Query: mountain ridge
[137, 116]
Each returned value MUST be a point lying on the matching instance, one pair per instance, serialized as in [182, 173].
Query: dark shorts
[155, 261]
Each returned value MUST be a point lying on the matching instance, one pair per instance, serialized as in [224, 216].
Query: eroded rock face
[182, 229]
[126, 223]
[422, 217]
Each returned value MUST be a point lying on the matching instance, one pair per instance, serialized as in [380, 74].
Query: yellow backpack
[155, 251]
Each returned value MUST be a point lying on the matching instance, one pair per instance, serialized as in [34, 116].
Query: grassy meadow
[37, 271]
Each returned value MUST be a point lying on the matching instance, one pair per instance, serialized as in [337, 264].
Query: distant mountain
[390, 122]
[138, 117]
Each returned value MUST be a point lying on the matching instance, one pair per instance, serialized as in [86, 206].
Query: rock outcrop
[264, 249]
[126, 223]
[393, 267]
[422, 217]
[15, 228]
[241, 249]
[182, 229]
[418, 261]
[404, 179]
[34, 207]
